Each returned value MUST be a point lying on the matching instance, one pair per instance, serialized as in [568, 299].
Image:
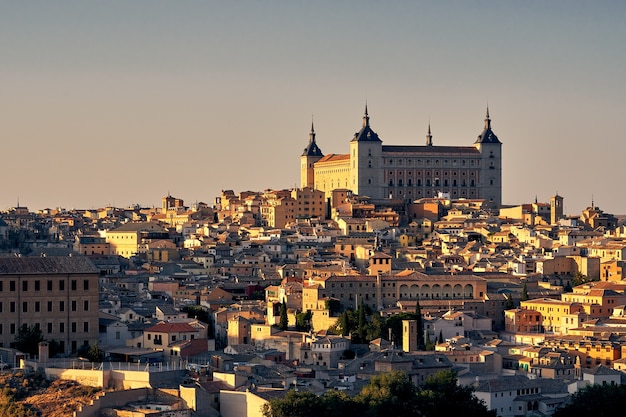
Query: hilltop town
[217, 308]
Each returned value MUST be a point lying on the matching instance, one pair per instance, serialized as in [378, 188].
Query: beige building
[58, 295]
[132, 238]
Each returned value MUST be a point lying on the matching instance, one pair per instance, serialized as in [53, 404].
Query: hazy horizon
[120, 103]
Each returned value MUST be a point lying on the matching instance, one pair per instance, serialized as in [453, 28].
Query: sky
[124, 102]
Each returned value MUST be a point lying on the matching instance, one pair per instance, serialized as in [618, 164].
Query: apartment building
[58, 295]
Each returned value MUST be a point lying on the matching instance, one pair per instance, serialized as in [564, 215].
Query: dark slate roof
[312, 149]
[47, 265]
[487, 135]
[427, 150]
[366, 134]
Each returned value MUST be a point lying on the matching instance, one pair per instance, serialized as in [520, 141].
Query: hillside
[29, 394]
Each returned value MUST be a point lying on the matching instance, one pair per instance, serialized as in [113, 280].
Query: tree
[294, 404]
[440, 336]
[284, 320]
[95, 354]
[429, 343]
[387, 394]
[361, 329]
[27, 339]
[306, 404]
[524, 292]
[441, 396]
[420, 325]
[375, 327]
[303, 321]
[333, 306]
[395, 324]
[196, 312]
[596, 400]
[509, 302]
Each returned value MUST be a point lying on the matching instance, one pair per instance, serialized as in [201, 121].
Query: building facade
[408, 172]
[57, 295]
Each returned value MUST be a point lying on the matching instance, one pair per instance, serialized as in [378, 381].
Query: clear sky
[123, 102]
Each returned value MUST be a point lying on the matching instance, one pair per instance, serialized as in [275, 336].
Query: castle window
[400, 182]
[369, 180]
[369, 164]
[391, 162]
[410, 183]
[369, 152]
[391, 183]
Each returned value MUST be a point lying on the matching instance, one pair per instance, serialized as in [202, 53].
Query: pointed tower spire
[312, 134]
[366, 117]
[429, 137]
[487, 120]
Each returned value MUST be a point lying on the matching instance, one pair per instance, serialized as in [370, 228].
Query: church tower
[490, 149]
[556, 208]
[312, 153]
[366, 156]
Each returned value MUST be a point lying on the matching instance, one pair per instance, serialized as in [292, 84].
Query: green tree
[395, 324]
[596, 400]
[333, 306]
[294, 404]
[95, 354]
[197, 312]
[284, 320]
[429, 344]
[509, 302]
[420, 325]
[347, 322]
[303, 321]
[27, 339]
[388, 394]
[361, 329]
[524, 292]
[375, 327]
[441, 396]
[440, 337]
[306, 404]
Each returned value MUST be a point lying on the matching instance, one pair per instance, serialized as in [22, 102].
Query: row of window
[36, 285]
[428, 183]
[74, 326]
[427, 161]
[36, 306]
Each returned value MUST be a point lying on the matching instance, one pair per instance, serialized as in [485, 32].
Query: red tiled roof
[171, 328]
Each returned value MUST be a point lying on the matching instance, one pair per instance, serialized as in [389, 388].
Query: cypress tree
[509, 302]
[420, 325]
[429, 344]
[362, 330]
[440, 336]
[524, 292]
[284, 320]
